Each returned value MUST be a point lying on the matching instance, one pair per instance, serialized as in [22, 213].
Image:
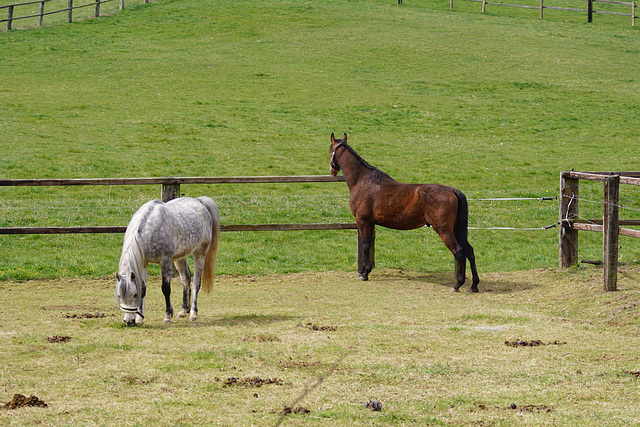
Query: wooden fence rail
[11, 16]
[570, 223]
[589, 10]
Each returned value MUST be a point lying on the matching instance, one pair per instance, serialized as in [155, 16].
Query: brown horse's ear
[344, 138]
[333, 138]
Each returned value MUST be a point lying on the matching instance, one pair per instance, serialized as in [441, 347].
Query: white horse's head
[130, 293]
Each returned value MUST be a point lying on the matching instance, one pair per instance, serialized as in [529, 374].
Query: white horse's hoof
[182, 314]
[193, 317]
[166, 320]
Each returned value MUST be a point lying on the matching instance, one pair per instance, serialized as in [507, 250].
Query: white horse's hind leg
[185, 278]
[198, 266]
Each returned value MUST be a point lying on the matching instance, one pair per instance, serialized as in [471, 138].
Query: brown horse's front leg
[366, 234]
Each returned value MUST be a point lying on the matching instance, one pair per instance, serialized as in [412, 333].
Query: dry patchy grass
[401, 343]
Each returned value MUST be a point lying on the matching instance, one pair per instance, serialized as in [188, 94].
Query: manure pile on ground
[20, 401]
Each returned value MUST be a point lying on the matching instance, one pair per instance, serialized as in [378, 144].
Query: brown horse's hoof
[474, 290]
[454, 289]
[363, 278]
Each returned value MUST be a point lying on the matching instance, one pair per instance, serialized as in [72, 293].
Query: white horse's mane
[132, 258]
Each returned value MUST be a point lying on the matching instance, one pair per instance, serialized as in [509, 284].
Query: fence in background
[570, 222]
[11, 15]
[170, 190]
[589, 10]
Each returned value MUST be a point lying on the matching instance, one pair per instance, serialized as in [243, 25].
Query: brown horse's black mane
[377, 173]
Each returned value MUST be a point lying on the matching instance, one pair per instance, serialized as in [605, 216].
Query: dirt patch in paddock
[374, 405]
[532, 343]
[313, 327]
[95, 315]
[300, 365]
[20, 401]
[517, 408]
[297, 410]
[58, 338]
[529, 408]
[251, 382]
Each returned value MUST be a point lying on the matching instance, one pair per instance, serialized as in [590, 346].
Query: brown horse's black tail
[462, 222]
[461, 232]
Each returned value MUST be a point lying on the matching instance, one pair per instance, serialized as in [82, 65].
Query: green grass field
[495, 104]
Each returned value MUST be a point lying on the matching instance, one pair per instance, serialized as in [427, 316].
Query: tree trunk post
[610, 228]
[9, 17]
[40, 13]
[568, 237]
[170, 192]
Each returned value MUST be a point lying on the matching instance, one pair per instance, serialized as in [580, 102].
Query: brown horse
[377, 199]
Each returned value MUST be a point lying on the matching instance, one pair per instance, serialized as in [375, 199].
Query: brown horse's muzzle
[334, 167]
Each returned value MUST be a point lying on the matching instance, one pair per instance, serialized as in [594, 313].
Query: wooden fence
[11, 15]
[171, 190]
[589, 10]
[609, 225]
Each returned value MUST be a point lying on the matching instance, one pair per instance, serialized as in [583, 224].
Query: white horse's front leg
[140, 313]
[165, 268]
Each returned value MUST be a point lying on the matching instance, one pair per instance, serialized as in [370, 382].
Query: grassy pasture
[495, 105]
[428, 355]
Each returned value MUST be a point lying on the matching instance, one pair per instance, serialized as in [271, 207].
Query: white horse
[162, 233]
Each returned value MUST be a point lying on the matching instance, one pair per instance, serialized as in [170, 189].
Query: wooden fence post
[589, 10]
[610, 228]
[121, 4]
[541, 9]
[633, 13]
[170, 192]
[568, 236]
[9, 17]
[97, 8]
[70, 11]
[40, 13]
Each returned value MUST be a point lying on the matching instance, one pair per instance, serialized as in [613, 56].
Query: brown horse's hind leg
[452, 244]
[474, 271]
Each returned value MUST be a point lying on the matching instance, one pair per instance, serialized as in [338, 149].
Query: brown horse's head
[334, 167]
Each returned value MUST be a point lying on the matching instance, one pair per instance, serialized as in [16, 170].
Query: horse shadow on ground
[231, 321]
[446, 279]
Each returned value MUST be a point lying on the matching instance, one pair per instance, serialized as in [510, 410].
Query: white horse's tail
[210, 259]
